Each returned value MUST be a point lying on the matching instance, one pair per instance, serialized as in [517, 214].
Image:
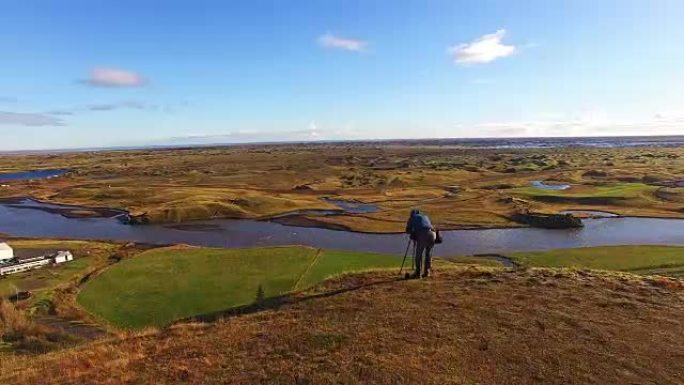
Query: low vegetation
[460, 187]
[19, 333]
[471, 325]
[163, 285]
[646, 260]
[50, 318]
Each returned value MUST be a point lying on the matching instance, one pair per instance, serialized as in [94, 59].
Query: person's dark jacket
[418, 222]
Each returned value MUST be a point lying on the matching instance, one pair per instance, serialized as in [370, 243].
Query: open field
[164, 285]
[467, 325]
[647, 260]
[125, 286]
[459, 187]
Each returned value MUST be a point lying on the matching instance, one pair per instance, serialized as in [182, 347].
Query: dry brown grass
[260, 181]
[465, 326]
[13, 321]
[22, 335]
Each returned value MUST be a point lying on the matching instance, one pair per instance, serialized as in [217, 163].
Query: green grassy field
[163, 285]
[662, 260]
[624, 195]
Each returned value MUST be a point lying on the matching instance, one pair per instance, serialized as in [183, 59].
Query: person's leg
[430, 238]
[428, 261]
[418, 257]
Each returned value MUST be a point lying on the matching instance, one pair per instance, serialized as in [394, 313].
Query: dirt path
[308, 268]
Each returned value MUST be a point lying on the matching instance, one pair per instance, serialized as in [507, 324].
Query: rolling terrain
[460, 187]
[167, 284]
[467, 325]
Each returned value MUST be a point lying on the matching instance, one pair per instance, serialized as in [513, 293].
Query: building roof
[5, 247]
[33, 252]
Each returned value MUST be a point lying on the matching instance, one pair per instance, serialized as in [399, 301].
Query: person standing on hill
[423, 234]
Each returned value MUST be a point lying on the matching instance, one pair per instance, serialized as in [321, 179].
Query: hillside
[467, 325]
[166, 284]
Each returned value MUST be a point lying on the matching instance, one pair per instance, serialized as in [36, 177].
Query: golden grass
[261, 181]
[12, 320]
[467, 325]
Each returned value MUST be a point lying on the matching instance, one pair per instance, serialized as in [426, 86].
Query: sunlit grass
[163, 285]
[665, 260]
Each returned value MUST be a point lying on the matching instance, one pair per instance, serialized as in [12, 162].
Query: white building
[9, 264]
[63, 256]
[24, 265]
[6, 252]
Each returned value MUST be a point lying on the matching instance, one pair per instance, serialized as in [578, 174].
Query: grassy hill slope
[166, 284]
[467, 325]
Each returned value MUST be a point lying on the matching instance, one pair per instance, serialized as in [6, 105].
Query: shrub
[13, 321]
[595, 174]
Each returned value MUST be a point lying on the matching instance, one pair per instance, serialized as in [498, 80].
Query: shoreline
[290, 219]
[66, 210]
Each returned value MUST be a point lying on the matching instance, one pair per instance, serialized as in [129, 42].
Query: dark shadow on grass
[275, 303]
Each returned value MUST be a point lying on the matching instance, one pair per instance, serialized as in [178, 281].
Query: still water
[25, 175]
[26, 218]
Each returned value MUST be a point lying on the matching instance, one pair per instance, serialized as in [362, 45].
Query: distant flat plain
[460, 187]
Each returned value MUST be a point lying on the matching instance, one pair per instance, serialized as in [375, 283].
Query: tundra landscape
[217, 315]
[460, 187]
[387, 192]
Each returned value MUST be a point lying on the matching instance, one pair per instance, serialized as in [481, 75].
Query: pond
[544, 186]
[353, 207]
[35, 174]
[18, 220]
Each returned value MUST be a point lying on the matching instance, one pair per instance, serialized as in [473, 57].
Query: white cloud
[331, 41]
[28, 119]
[114, 77]
[484, 49]
[313, 130]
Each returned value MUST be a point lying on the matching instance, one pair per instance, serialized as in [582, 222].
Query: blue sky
[101, 73]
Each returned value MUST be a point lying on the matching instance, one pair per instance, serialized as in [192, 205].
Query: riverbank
[460, 188]
[65, 210]
[298, 218]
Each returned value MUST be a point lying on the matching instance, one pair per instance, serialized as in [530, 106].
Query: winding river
[30, 219]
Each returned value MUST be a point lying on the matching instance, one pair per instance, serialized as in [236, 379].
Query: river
[27, 219]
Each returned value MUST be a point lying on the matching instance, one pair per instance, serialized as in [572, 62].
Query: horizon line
[161, 146]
